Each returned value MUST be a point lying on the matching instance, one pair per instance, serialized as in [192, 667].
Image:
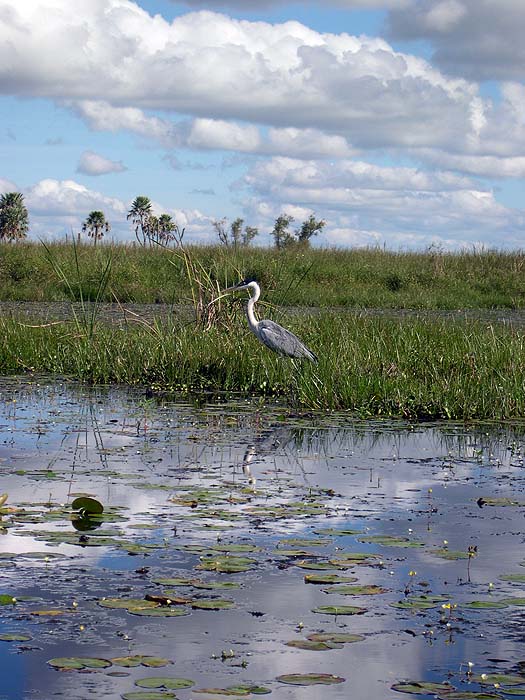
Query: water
[172, 474]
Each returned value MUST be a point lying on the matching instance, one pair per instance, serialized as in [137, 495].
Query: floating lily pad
[390, 541]
[127, 603]
[227, 565]
[78, 662]
[310, 679]
[520, 602]
[298, 542]
[164, 682]
[499, 678]
[336, 532]
[212, 604]
[449, 554]
[485, 604]
[513, 578]
[90, 506]
[328, 578]
[236, 690]
[316, 565]
[469, 695]
[141, 660]
[15, 637]
[6, 599]
[414, 604]
[160, 611]
[422, 687]
[355, 590]
[313, 644]
[147, 695]
[336, 637]
[339, 610]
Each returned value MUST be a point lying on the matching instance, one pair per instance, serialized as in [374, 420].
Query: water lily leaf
[422, 687]
[141, 660]
[355, 590]
[298, 542]
[78, 662]
[316, 565]
[90, 506]
[497, 501]
[164, 682]
[336, 637]
[227, 565]
[147, 695]
[469, 695]
[6, 599]
[162, 611]
[235, 690]
[212, 604]
[390, 541]
[485, 604]
[313, 644]
[51, 612]
[339, 610]
[15, 637]
[449, 554]
[414, 604]
[328, 578]
[513, 601]
[127, 603]
[499, 678]
[336, 532]
[310, 679]
[513, 578]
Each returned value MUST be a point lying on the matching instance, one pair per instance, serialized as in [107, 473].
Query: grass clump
[364, 278]
[370, 367]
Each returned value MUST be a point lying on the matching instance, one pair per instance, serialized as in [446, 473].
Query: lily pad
[15, 637]
[90, 506]
[227, 565]
[328, 578]
[313, 644]
[513, 578]
[339, 610]
[355, 590]
[499, 679]
[147, 695]
[485, 604]
[212, 604]
[336, 637]
[78, 663]
[164, 682]
[310, 679]
[141, 660]
[422, 687]
[336, 532]
[6, 599]
[390, 541]
[236, 690]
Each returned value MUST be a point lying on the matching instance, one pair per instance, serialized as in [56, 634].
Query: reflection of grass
[370, 366]
[352, 278]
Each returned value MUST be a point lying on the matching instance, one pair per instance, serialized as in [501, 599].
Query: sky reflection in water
[420, 482]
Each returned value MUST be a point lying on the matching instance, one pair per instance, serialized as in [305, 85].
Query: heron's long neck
[252, 321]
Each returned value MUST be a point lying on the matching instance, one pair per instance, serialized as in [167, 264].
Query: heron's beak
[225, 293]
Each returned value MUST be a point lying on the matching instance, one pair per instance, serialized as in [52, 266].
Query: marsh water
[247, 550]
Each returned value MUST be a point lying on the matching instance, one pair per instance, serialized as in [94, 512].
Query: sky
[400, 123]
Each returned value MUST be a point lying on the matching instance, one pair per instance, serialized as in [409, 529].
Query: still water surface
[184, 484]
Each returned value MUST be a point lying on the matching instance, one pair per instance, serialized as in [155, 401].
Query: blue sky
[399, 122]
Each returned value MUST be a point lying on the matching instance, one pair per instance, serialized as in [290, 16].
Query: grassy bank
[368, 366]
[301, 277]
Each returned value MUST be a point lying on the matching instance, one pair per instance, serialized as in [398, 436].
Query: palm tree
[140, 214]
[96, 225]
[14, 218]
[166, 229]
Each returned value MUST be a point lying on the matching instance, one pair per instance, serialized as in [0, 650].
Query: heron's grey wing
[282, 341]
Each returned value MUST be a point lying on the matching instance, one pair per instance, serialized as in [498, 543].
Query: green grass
[366, 278]
[370, 367]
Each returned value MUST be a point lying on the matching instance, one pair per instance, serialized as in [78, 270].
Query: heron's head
[248, 283]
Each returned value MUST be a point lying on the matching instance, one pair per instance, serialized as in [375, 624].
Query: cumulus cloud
[92, 163]
[404, 206]
[478, 39]
[7, 186]
[265, 4]
[210, 66]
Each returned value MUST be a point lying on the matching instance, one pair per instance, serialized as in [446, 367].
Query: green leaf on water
[313, 644]
[164, 682]
[485, 605]
[520, 602]
[513, 578]
[449, 554]
[328, 578]
[310, 679]
[339, 610]
[422, 687]
[390, 541]
[78, 663]
[15, 637]
[336, 532]
[141, 660]
[469, 695]
[241, 690]
[90, 506]
[147, 695]
[6, 599]
[414, 604]
[355, 590]
[336, 637]
[498, 678]
[226, 564]
[212, 604]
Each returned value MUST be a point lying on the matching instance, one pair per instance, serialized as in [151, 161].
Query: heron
[279, 339]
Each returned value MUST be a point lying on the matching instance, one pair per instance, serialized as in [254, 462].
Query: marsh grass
[370, 367]
[364, 278]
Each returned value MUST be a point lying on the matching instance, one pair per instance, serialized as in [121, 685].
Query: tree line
[150, 229]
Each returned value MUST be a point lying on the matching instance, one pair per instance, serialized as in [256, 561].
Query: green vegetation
[367, 278]
[369, 366]
[14, 217]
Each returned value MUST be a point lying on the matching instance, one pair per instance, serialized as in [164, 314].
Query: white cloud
[218, 134]
[92, 163]
[7, 186]
[403, 206]
[211, 66]
[479, 39]
[248, 5]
